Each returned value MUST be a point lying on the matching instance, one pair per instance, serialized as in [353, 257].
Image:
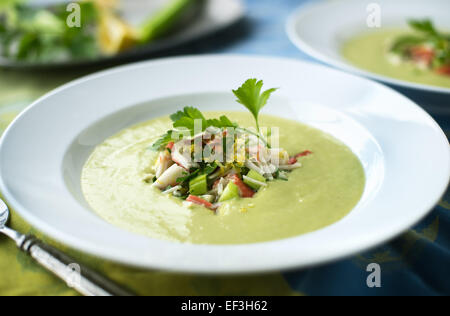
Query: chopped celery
[199, 185]
[230, 192]
[165, 19]
[256, 176]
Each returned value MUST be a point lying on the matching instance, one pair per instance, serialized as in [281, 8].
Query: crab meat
[181, 155]
[220, 185]
[291, 167]
[169, 177]
[181, 160]
[172, 190]
[163, 163]
[252, 166]
[279, 156]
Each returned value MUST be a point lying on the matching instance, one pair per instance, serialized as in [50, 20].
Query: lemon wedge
[115, 35]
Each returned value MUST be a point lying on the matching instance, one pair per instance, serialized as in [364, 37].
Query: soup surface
[369, 51]
[326, 188]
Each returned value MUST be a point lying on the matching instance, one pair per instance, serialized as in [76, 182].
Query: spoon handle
[82, 279]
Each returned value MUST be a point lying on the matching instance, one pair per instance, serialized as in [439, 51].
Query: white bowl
[404, 153]
[320, 29]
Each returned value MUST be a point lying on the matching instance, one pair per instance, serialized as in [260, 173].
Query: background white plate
[404, 152]
[322, 27]
[213, 16]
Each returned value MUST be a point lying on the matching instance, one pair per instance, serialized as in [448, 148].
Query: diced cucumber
[199, 185]
[256, 176]
[200, 178]
[230, 192]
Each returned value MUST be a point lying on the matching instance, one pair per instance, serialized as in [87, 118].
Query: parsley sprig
[186, 119]
[427, 35]
[162, 142]
[249, 94]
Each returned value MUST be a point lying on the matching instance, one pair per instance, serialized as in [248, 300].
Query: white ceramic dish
[322, 27]
[404, 152]
[213, 16]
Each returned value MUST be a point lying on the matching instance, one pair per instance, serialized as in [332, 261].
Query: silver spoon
[82, 279]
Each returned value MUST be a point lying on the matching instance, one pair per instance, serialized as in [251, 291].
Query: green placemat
[19, 275]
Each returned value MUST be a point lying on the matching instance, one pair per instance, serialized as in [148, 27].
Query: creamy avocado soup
[326, 188]
[372, 51]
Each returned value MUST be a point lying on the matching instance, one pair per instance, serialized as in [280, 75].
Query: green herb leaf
[188, 177]
[425, 26]
[210, 168]
[185, 122]
[188, 112]
[162, 142]
[250, 96]
[226, 122]
[223, 122]
[186, 119]
[404, 43]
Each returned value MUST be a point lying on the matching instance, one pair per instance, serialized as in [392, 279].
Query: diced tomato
[303, 154]
[245, 190]
[423, 54]
[444, 70]
[199, 201]
[170, 145]
[294, 160]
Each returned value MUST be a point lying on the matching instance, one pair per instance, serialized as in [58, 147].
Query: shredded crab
[252, 166]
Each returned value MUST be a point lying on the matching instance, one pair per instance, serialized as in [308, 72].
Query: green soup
[323, 191]
[370, 51]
